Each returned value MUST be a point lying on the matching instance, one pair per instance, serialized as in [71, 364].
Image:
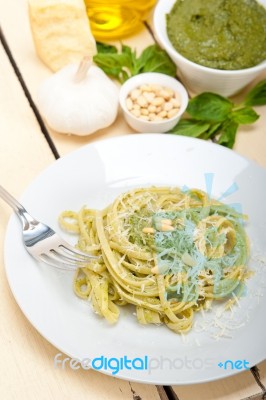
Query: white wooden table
[27, 146]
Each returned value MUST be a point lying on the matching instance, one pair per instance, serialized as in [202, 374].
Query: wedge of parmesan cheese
[61, 31]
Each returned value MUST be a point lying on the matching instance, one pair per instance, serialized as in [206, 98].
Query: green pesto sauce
[221, 34]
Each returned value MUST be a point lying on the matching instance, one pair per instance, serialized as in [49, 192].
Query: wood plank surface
[34, 71]
[239, 387]
[27, 344]
[26, 362]
[251, 139]
[262, 372]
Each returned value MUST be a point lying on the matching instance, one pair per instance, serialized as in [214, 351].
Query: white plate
[94, 175]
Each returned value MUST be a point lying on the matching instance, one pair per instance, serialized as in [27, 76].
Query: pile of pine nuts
[164, 225]
[153, 103]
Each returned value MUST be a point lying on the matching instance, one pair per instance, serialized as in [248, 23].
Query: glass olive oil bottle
[115, 19]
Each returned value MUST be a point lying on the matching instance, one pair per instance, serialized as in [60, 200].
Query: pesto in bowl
[220, 34]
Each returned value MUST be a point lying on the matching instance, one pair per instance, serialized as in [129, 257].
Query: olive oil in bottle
[115, 19]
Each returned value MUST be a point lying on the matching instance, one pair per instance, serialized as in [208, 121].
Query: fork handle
[25, 218]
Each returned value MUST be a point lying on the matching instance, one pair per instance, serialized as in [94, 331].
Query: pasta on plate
[168, 252]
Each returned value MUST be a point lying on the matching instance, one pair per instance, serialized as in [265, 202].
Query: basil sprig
[218, 118]
[124, 64]
[211, 116]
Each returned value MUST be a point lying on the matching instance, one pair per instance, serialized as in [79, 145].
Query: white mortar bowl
[152, 78]
[198, 78]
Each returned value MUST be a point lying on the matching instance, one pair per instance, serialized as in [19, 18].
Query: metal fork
[43, 243]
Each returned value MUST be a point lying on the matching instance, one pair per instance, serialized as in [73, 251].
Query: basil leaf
[107, 66]
[109, 60]
[209, 107]
[125, 64]
[189, 127]
[257, 96]
[144, 57]
[123, 76]
[126, 50]
[113, 64]
[105, 48]
[132, 58]
[228, 134]
[159, 61]
[154, 59]
[213, 129]
[245, 115]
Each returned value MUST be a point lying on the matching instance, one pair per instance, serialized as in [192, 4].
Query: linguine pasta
[166, 251]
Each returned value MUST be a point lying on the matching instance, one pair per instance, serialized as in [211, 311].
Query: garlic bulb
[78, 99]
